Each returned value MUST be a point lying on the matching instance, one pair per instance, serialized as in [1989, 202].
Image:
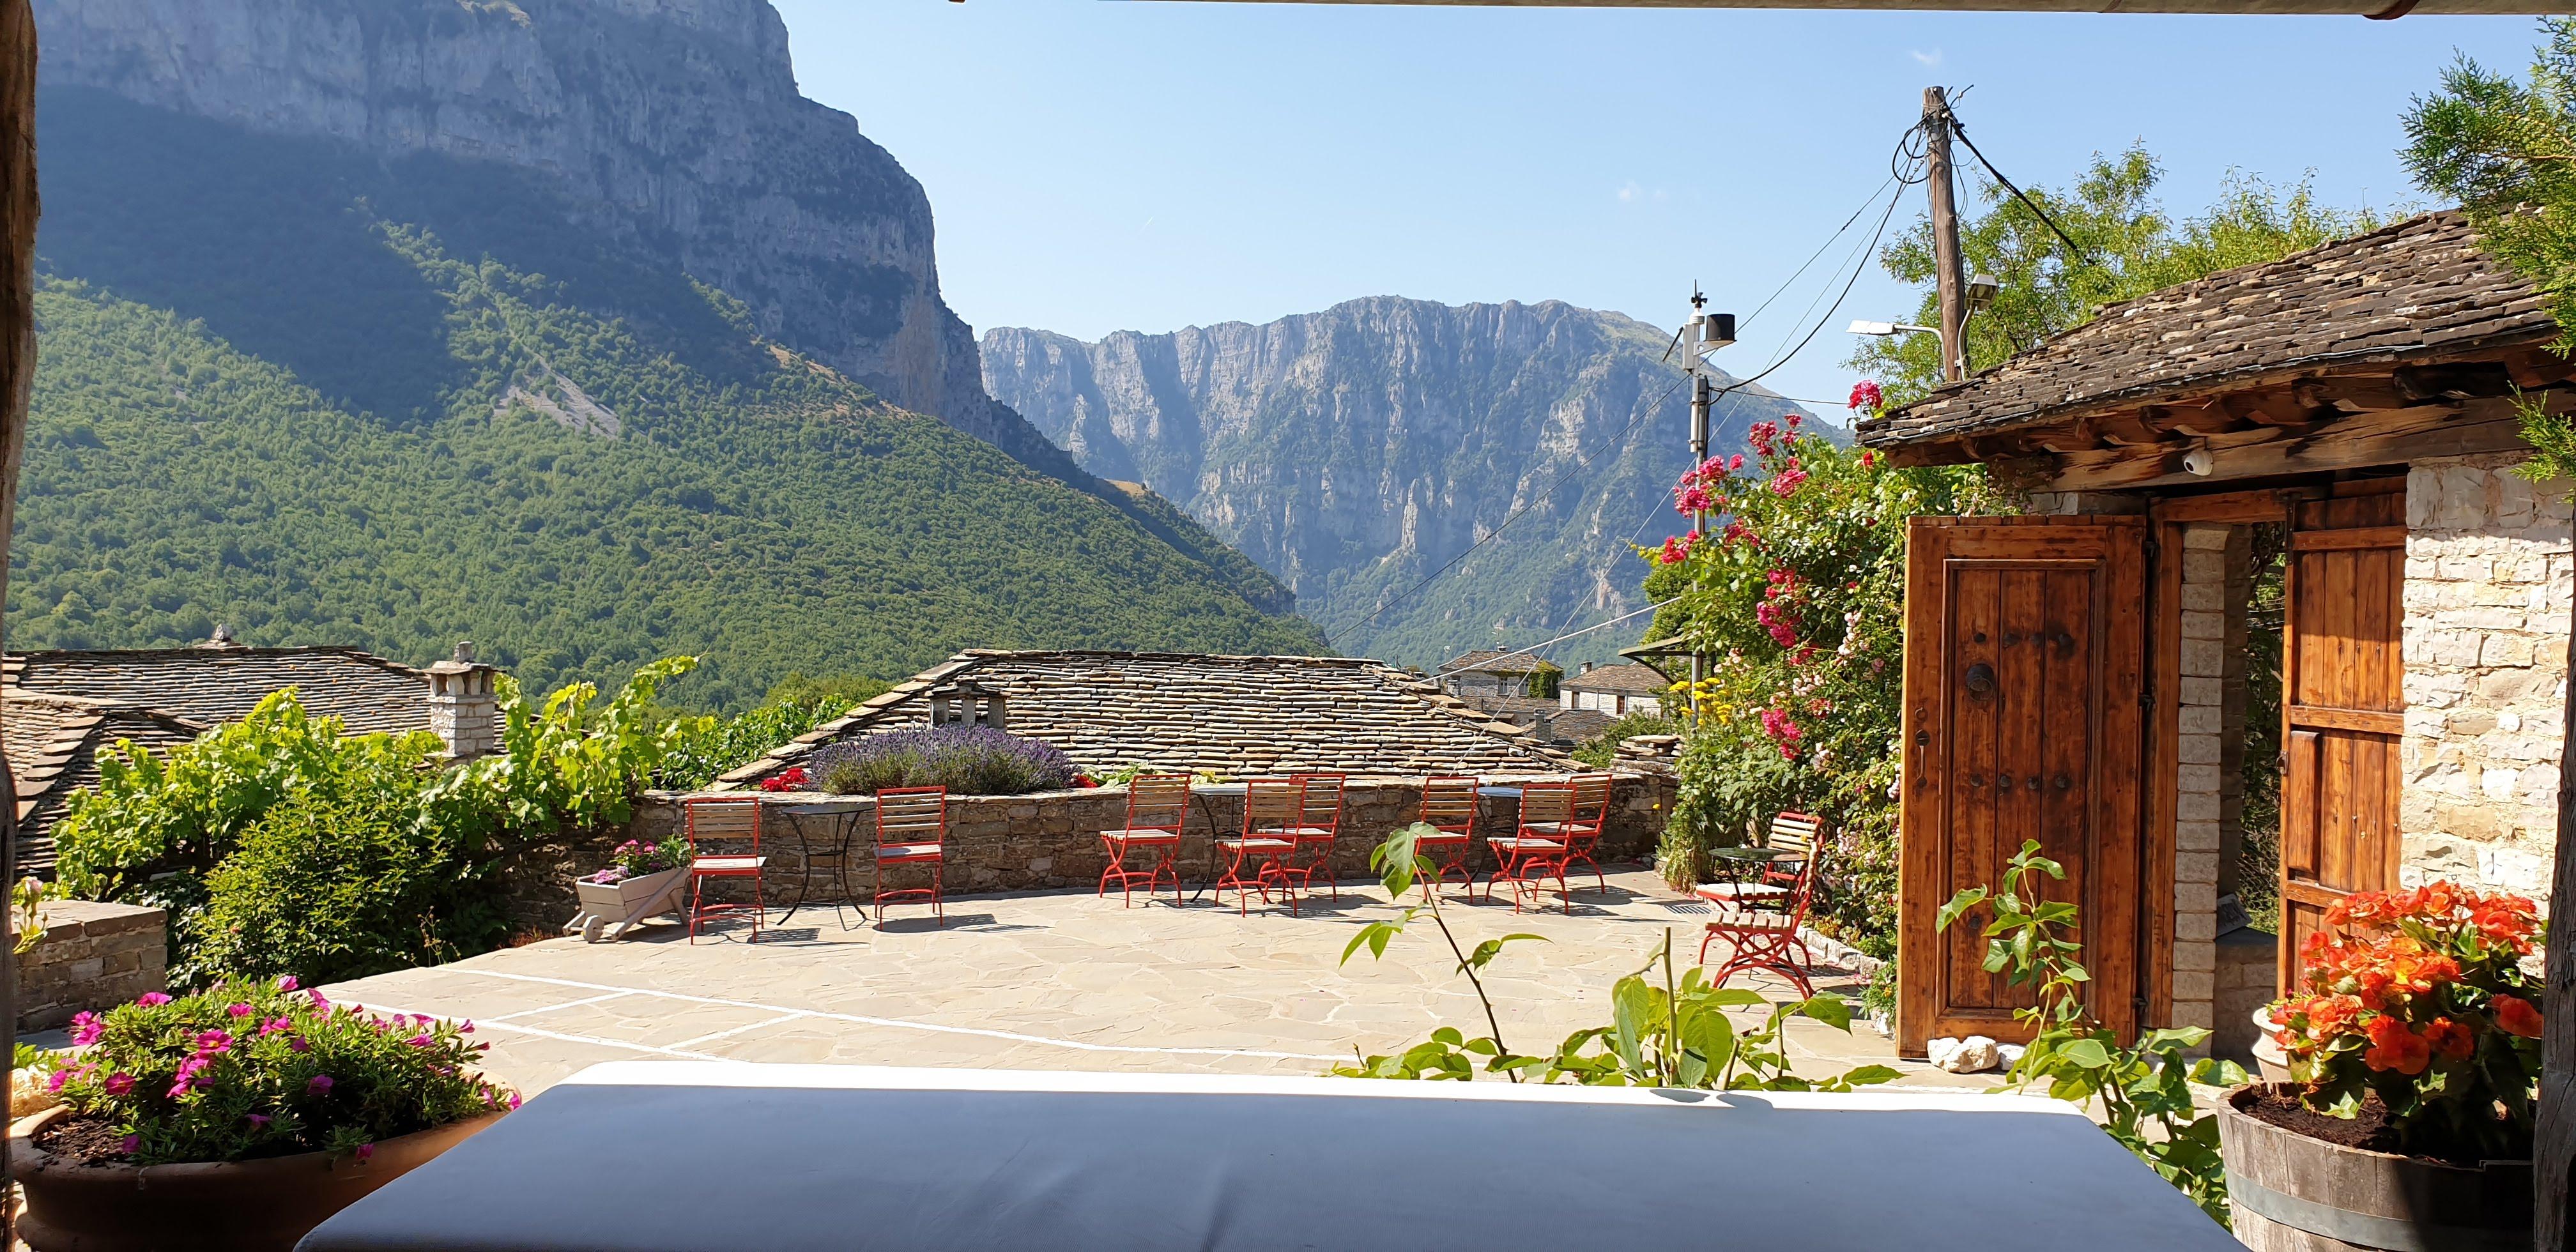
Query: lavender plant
[968, 760]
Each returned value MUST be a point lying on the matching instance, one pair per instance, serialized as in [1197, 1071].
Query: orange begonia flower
[2452, 1039]
[2393, 1046]
[2516, 1016]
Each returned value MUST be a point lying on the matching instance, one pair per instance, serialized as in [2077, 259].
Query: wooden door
[2024, 680]
[2343, 711]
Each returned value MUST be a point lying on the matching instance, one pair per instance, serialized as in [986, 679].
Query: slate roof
[1493, 661]
[1230, 715]
[1629, 679]
[1578, 725]
[2407, 291]
[212, 684]
[53, 743]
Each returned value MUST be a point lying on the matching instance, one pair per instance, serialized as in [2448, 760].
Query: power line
[1561, 638]
[1903, 169]
[2082, 253]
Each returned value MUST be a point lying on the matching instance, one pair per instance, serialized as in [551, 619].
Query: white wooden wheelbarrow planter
[623, 904]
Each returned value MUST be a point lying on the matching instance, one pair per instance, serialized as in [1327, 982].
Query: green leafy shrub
[1601, 749]
[341, 884]
[795, 706]
[1799, 600]
[248, 1070]
[371, 851]
[2141, 1094]
[1676, 1034]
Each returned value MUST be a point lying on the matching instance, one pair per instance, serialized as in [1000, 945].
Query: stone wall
[2488, 583]
[93, 956]
[2199, 752]
[1049, 840]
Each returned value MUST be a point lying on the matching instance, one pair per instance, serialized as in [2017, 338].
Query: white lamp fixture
[1892, 328]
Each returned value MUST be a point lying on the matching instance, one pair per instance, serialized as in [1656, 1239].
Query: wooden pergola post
[18, 207]
[2553, 1223]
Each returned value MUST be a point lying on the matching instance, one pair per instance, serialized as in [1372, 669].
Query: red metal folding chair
[1535, 853]
[1763, 935]
[1797, 833]
[1449, 808]
[1319, 824]
[724, 842]
[1258, 859]
[912, 829]
[1157, 805]
[1582, 832]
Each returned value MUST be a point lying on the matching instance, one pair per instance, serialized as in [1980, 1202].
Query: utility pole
[1949, 267]
[1704, 333]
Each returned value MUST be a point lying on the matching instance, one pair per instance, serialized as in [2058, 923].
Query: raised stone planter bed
[93, 955]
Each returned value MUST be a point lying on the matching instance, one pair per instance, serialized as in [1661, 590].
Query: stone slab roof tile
[2416, 287]
[210, 685]
[53, 743]
[1232, 715]
[1629, 679]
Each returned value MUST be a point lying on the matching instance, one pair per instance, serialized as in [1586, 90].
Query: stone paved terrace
[1064, 980]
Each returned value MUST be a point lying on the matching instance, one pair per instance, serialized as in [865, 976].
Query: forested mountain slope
[324, 394]
[1354, 451]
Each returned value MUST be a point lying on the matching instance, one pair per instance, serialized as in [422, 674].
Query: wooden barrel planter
[2292, 1193]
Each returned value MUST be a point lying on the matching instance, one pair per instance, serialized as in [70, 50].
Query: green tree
[2131, 246]
[2506, 150]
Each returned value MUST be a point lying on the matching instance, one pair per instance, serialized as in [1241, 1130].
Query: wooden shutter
[2343, 713]
[2024, 677]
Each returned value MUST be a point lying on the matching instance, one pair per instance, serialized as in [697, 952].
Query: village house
[62, 707]
[1617, 690]
[1488, 673]
[2343, 423]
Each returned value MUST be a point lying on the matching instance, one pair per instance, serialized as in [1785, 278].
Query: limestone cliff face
[1353, 451]
[674, 123]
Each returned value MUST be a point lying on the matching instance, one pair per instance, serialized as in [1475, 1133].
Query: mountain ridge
[1355, 450]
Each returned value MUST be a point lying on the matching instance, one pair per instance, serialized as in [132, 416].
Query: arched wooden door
[2343, 712]
[2025, 669]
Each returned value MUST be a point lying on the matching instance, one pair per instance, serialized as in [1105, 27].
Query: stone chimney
[1587, 668]
[221, 640]
[463, 705]
[968, 703]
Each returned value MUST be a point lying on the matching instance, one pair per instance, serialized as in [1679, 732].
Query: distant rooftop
[1231, 715]
[1494, 661]
[1629, 679]
[222, 681]
[53, 743]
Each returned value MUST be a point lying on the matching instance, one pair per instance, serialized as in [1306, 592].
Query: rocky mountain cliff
[1353, 451]
[671, 125]
[565, 327]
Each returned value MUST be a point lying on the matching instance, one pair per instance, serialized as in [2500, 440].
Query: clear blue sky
[1106, 166]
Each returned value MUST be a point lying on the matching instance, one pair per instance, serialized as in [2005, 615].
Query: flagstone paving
[1066, 980]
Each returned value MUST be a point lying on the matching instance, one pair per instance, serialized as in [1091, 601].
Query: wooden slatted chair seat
[1259, 858]
[724, 842]
[912, 829]
[1449, 809]
[1525, 857]
[1158, 805]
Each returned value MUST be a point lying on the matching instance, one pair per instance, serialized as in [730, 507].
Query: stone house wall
[1047, 841]
[93, 956]
[2488, 587]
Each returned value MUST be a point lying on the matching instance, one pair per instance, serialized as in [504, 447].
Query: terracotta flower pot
[2292, 1193]
[220, 1206]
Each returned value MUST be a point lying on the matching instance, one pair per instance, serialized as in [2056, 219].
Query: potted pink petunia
[641, 880]
[238, 1118]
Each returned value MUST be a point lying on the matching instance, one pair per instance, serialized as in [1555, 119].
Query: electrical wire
[2082, 253]
[1905, 168]
[1562, 638]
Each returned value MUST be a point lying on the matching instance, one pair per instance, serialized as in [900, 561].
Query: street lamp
[1892, 328]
